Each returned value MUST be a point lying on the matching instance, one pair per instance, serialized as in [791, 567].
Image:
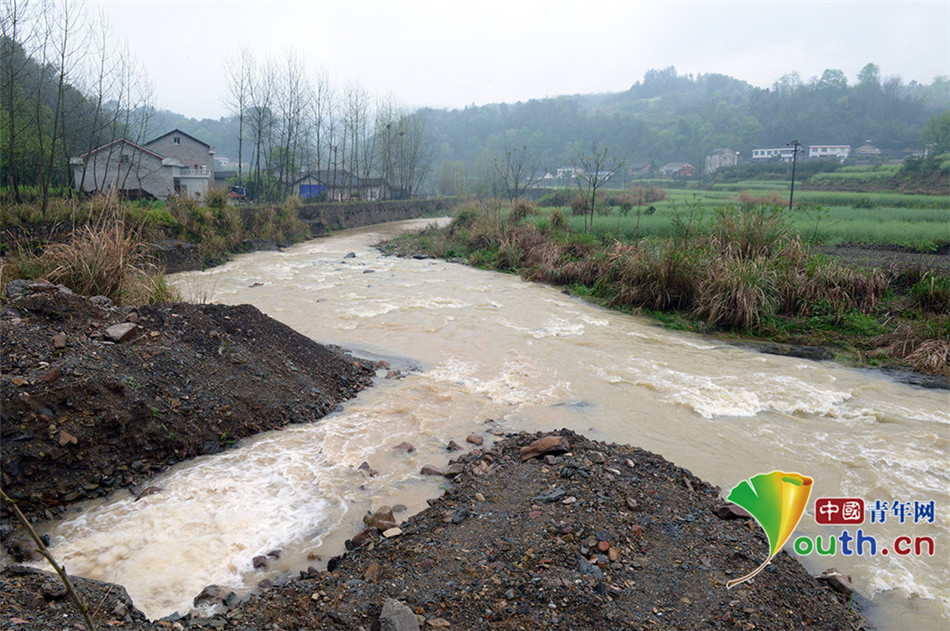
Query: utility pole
[795, 148]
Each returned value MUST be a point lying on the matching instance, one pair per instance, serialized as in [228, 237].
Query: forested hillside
[669, 117]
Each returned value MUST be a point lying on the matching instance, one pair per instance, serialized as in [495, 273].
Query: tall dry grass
[107, 258]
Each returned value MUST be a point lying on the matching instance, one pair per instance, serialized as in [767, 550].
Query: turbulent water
[477, 346]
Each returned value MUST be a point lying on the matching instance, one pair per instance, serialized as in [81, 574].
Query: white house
[785, 154]
[839, 152]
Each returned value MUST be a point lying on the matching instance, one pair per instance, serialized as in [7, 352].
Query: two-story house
[173, 164]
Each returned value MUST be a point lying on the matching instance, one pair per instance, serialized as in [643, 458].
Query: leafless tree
[320, 114]
[358, 122]
[100, 89]
[411, 154]
[62, 21]
[260, 115]
[18, 35]
[596, 167]
[239, 88]
[291, 98]
[517, 172]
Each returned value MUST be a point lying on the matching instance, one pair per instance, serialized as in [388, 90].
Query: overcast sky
[454, 53]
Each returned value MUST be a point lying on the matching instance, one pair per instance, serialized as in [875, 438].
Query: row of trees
[66, 88]
[290, 122]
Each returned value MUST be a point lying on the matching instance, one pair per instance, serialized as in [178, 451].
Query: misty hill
[667, 117]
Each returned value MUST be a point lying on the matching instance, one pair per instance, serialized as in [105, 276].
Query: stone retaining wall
[324, 218]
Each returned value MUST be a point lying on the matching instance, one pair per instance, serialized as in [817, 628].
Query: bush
[521, 209]
[580, 205]
[771, 198]
[932, 293]
[216, 199]
[559, 221]
[108, 259]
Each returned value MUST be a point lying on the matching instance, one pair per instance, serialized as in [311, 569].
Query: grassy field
[921, 222]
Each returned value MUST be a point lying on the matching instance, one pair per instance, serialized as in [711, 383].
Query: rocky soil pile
[96, 397]
[571, 534]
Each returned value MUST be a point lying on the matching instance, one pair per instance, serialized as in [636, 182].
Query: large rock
[543, 446]
[396, 616]
[381, 519]
[836, 580]
[210, 595]
[121, 332]
[732, 511]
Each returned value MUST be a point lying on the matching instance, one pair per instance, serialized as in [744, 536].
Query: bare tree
[260, 117]
[61, 26]
[291, 97]
[17, 37]
[517, 172]
[239, 88]
[320, 114]
[595, 169]
[411, 154]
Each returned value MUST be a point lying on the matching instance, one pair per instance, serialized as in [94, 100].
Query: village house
[867, 154]
[785, 154]
[340, 185]
[174, 164]
[640, 170]
[677, 169]
[839, 152]
[720, 159]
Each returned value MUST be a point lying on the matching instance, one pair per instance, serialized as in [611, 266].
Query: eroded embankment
[97, 397]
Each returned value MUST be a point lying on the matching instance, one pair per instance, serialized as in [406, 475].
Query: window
[176, 140]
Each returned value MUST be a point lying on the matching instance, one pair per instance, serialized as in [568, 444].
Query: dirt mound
[600, 537]
[96, 397]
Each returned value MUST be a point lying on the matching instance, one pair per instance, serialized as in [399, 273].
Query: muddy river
[474, 345]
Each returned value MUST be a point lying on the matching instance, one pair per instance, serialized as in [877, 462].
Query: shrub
[753, 231]
[580, 205]
[521, 209]
[932, 293]
[108, 259]
[738, 293]
[771, 198]
[216, 199]
[559, 221]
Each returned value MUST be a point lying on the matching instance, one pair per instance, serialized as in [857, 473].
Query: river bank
[576, 535]
[98, 398]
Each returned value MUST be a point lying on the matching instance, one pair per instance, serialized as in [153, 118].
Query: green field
[829, 217]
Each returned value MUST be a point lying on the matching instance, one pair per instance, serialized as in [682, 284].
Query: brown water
[490, 346]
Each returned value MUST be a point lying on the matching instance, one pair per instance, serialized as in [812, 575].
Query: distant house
[677, 169]
[341, 185]
[174, 164]
[839, 152]
[867, 153]
[785, 154]
[565, 176]
[640, 170]
[720, 159]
